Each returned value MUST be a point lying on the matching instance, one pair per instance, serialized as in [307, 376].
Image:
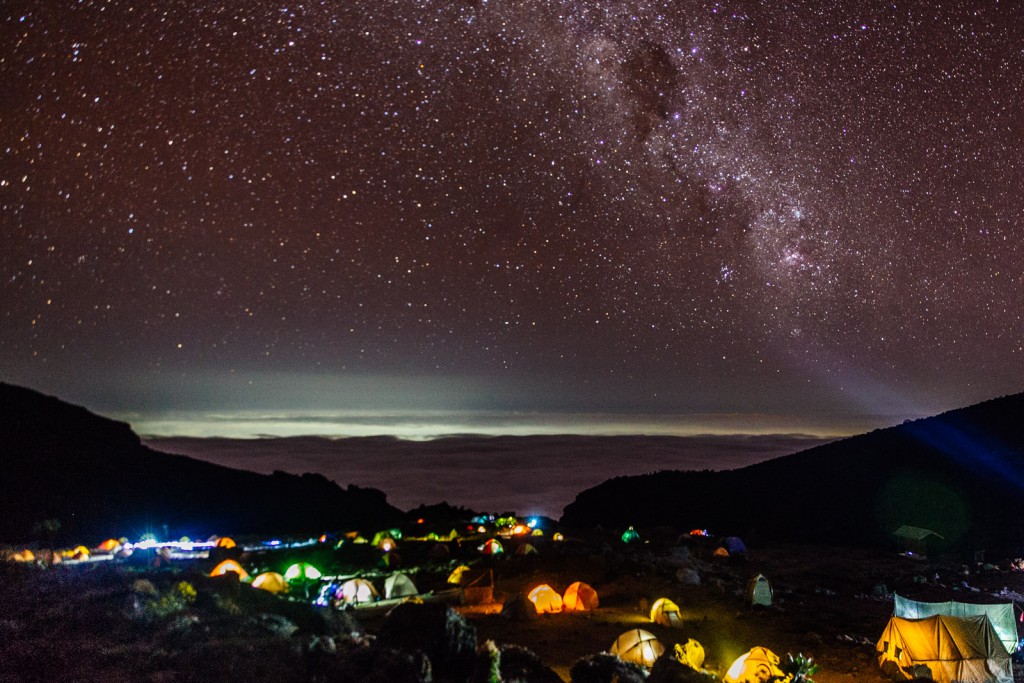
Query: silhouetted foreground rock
[959, 474]
[606, 668]
[441, 633]
[70, 476]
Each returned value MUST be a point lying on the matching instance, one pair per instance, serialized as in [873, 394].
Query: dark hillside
[959, 474]
[92, 476]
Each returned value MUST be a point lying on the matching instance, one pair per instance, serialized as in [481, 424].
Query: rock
[605, 668]
[519, 665]
[276, 624]
[688, 576]
[670, 670]
[444, 636]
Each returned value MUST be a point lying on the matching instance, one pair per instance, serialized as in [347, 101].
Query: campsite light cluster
[370, 575]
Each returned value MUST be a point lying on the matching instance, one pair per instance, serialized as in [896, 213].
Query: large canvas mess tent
[1001, 615]
[955, 649]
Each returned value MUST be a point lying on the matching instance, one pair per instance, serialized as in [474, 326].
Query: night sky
[807, 210]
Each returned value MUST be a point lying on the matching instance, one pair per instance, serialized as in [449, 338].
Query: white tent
[955, 649]
[1001, 615]
[398, 585]
[759, 592]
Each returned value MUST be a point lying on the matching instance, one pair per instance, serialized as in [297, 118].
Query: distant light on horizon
[427, 425]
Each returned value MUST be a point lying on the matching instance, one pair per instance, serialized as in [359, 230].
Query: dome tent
[758, 664]
[638, 646]
[579, 597]
[546, 599]
[666, 613]
[399, 585]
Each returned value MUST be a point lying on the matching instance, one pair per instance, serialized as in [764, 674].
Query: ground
[830, 603]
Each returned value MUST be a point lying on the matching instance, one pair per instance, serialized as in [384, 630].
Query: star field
[731, 206]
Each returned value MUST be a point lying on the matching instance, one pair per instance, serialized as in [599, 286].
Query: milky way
[653, 206]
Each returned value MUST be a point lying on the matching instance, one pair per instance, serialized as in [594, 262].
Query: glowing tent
[759, 664]
[666, 613]
[759, 592]
[226, 542]
[398, 585]
[272, 582]
[456, 576]
[638, 647]
[630, 536]
[558, 536]
[491, 547]
[228, 566]
[25, 555]
[1000, 614]
[721, 552]
[691, 654]
[111, 545]
[526, 549]
[545, 599]
[302, 571]
[579, 597]
[960, 649]
[357, 591]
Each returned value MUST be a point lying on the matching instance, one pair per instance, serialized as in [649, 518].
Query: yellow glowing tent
[759, 664]
[666, 613]
[691, 654]
[228, 566]
[226, 542]
[272, 582]
[456, 576]
[545, 599]
[638, 647]
[960, 649]
[579, 597]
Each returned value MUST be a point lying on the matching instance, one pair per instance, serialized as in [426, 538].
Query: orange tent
[230, 566]
[579, 597]
[109, 546]
[226, 542]
[545, 599]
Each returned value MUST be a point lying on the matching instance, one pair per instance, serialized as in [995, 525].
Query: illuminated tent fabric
[638, 646]
[302, 571]
[691, 654]
[579, 597]
[385, 541]
[1000, 614]
[545, 599]
[721, 552]
[526, 549]
[666, 613]
[630, 535]
[79, 553]
[492, 547]
[759, 664]
[25, 555]
[357, 591]
[759, 592]
[272, 582]
[226, 542]
[558, 536]
[399, 585]
[110, 545]
[955, 649]
[228, 566]
[456, 576]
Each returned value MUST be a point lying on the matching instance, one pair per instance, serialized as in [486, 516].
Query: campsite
[310, 609]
